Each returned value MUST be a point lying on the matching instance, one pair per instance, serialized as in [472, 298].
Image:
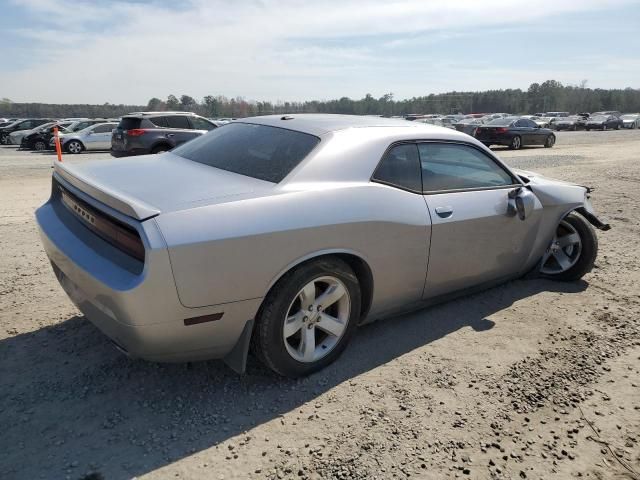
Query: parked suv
[26, 124]
[154, 132]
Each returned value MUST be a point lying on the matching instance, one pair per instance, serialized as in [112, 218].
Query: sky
[64, 51]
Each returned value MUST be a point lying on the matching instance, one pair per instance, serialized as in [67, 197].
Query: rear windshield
[258, 151]
[129, 123]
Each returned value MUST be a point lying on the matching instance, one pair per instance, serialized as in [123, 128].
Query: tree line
[550, 95]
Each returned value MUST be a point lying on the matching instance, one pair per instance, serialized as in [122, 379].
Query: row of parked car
[604, 120]
[137, 133]
[141, 133]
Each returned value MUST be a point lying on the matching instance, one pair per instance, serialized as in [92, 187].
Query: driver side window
[450, 166]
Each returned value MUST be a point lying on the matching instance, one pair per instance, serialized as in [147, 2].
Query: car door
[476, 236]
[90, 138]
[528, 129]
[181, 130]
[101, 136]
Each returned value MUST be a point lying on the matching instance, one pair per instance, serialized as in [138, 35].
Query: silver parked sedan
[94, 137]
[283, 234]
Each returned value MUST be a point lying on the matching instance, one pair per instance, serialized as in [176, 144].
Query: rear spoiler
[119, 201]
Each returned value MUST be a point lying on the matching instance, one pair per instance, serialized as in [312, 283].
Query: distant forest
[548, 96]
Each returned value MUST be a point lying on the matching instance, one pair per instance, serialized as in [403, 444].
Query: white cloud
[265, 49]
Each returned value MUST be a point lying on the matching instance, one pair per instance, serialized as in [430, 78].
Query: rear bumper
[139, 310]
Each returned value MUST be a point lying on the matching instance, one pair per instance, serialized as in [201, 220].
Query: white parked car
[95, 137]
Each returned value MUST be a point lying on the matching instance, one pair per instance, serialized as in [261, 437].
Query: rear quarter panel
[238, 250]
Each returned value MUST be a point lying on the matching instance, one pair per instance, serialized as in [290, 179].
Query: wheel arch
[355, 260]
[65, 143]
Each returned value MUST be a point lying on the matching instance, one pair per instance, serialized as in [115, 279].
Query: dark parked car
[39, 140]
[515, 132]
[156, 132]
[468, 125]
[603, 122]
[25, 124]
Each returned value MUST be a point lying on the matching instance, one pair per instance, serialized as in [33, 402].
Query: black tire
[588, 253]
[516, 143]
[39, 146]
[268, 343]
[588, 129]
[160, 149]
[550, 141]
[74, 147]
[618, 126]
[604, 127]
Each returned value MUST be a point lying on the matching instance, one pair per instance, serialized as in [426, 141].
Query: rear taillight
[113, 231]
[502, 130]
[136, 132]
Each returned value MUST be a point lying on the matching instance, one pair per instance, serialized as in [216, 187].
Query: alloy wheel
[516, 142]
[317, 319]
[75, 147]
[564, 251]
[39, 146]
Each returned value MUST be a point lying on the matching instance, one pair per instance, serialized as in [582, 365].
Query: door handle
[444, 212]
[170, 135]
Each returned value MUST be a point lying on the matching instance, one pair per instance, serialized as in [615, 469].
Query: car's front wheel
[74, 147]
[308, 318]
[572, 251]
[550, 141]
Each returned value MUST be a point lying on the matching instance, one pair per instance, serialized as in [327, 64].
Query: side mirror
[521, 203]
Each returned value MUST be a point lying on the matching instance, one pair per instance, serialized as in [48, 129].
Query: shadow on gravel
[70, 404]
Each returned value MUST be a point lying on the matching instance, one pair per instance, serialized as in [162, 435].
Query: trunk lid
[146, 186]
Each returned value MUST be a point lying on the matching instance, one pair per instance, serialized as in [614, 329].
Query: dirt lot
[534, 379]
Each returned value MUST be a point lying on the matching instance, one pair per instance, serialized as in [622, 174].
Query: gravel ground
[533, 379]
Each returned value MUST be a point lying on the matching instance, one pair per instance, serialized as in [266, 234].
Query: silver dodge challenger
[282, 234]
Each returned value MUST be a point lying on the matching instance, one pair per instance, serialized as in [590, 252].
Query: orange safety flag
[57, 141]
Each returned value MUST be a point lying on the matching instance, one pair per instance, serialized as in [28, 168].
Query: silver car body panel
[217, 242]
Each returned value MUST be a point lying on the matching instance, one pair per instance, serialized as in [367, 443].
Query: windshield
[258, 151]
[630, 116]
[598, 118]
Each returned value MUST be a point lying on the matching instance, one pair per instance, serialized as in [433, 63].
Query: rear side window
[258, 151]
[178, 121]
[129, 123]
[456, 167]
[400, 167]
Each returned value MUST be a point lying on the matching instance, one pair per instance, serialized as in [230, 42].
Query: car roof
[156, 114]
[320, 124]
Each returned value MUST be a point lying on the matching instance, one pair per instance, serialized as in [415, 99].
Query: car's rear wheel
[604, 127]
[550, 141]
[74, 147]
[39, 146]
[308, 318]
[572, 251]
[516, 143]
